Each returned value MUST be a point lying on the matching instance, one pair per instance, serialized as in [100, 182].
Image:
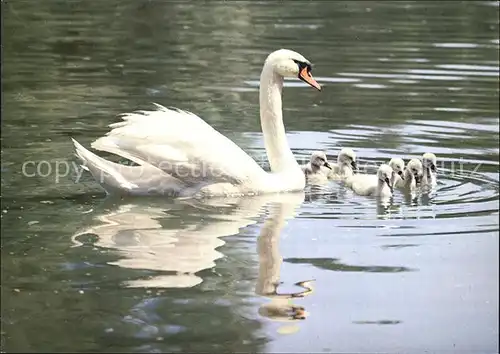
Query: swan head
[318, 159]
[347, 157]
[429, 161]
[386, 174]
[288, 63]
[398, 166]
[416, 169]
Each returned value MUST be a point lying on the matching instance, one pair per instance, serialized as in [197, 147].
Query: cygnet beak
[433, 167]
[327, 165]
[401, 175]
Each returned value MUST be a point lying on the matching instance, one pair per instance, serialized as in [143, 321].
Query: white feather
[181, 144]
[137, 180]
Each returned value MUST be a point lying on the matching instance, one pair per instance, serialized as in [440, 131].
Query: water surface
[319, 271]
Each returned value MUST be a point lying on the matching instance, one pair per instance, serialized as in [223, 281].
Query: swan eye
[305, 74]
[303, 65]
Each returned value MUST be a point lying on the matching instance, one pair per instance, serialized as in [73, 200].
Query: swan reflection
[281, 307]
[180, 238]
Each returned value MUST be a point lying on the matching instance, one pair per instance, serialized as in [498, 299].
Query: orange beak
[306, 76]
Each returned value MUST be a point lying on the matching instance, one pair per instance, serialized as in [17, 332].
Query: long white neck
[271, 119]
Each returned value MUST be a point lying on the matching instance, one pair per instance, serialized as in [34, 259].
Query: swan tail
[132, 180]
[105, 172]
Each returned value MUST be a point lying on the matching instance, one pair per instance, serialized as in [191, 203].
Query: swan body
[316, 170]
[379, 185]
[398, 166]
[429, 163]
[411, 176]
[180, 154]
[346, 165]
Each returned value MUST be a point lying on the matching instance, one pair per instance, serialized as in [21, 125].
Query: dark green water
[82, 272]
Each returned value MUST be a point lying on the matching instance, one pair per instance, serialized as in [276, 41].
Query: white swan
[346, 165]
[411, 177]
[315, 169]
[398, 165]
[379, 185]
[429, 162]
[190, 158]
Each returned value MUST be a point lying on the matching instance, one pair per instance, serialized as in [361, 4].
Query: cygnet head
[429, 161]
[416, 169]
[385, 174]
[398, 165]
[347, 157]
[318, 159]
[288, 63]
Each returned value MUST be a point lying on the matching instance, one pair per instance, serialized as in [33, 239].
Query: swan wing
[181, 144]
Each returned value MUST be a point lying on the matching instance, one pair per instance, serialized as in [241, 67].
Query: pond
[323, 270]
